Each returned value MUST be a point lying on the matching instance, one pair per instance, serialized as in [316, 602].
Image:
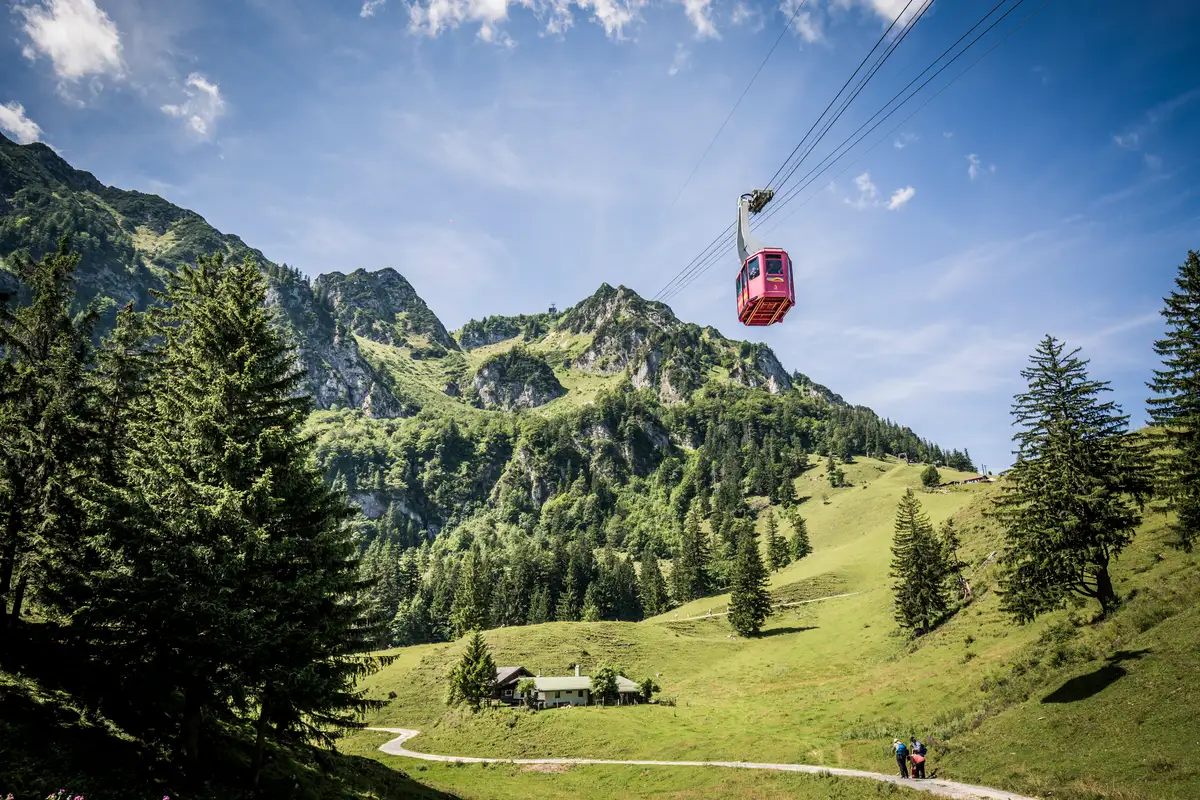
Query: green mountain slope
[128, 240]
[1062, 707]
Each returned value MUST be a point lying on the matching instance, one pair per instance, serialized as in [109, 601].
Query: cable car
[765, 292]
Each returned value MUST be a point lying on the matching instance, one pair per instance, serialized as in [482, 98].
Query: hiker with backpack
[901, 750]
[918, 758]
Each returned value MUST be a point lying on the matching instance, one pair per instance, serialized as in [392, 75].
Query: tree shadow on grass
[1092, 683]
[787, 629]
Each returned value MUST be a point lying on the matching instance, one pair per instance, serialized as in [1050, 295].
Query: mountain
[128, 242]
[504, 415]
[383, 307]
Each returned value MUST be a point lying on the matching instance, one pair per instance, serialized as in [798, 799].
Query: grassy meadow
[1063, 705]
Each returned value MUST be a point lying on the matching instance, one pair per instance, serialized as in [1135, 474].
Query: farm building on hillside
[507, 679]
[972, 479]
[553, 692]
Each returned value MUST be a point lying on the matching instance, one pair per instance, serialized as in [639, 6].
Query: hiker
[918, 758]
[901, 751]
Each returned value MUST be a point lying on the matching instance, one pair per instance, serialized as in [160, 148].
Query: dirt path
[781, 605]
[936, 786]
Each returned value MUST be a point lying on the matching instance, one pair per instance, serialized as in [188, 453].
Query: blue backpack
[902, 749]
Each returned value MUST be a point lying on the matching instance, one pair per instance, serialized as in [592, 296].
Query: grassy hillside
[1087, 710]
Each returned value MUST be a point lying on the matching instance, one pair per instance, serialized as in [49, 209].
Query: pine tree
[777, 546]
[473, 678]
[689, 574]
[48, 434]
[836, 477]
[954, 565]
[799, 544]
[539, 606]
[568, 608]
[652, 589]
[1064, 505]
[918, 565]
[591, 606]
[469, 611]
[749, 601]
[1176, 406]
[236, 591]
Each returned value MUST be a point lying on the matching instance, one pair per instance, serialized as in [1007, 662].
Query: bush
[930, 477]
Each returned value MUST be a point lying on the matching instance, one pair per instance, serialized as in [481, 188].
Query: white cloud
[904, 140]
[680, 62]
[868, 194]
[1129, 140]
[79, 38]
[13, 121]
[1152, 161]
[744, 15]
[203, 106]
[698, 11]
[369, 7]
[1134, 138]
[900, 197]
[887, 10]
[948, 134]
[976, 168]
[434, 17]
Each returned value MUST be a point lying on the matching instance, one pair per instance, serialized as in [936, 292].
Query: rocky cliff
[129, 240]
[384, 307]
[515, 379]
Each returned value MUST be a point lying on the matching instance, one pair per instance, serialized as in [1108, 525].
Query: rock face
[662, 353]
[490, 330]
[338, 374]
[384, 307]
[129, 242]
[516, 379]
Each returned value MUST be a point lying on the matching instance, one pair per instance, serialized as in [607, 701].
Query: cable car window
[774, 265]
[738, 284]
[753, 264]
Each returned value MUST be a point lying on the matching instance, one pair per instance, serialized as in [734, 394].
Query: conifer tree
[950, 545]
[568, 608]
[539, 606]
[469, 611]
[834, 473]
[591, 605]
[652, 589]
[474, 676]
[237, 583]
[48, 433]
[799, 544]
[749, 601]
[689, 574]
[1065, 504]
[918, 565]
[1176, 406]
[777, 546]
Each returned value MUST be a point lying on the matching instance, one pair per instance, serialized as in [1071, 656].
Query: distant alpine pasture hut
[558, 691]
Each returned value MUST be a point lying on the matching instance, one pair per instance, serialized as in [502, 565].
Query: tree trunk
[1104, 591]
[19, 598]
[190, 734]
[12, 538]
[259, 745]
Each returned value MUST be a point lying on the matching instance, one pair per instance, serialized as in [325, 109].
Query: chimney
[576, 670]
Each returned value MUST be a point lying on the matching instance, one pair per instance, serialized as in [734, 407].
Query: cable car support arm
[750, 203]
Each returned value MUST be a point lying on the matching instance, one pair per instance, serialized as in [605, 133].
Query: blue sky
[504, 156]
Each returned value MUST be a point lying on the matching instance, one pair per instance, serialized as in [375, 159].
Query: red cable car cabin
[764, 288]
